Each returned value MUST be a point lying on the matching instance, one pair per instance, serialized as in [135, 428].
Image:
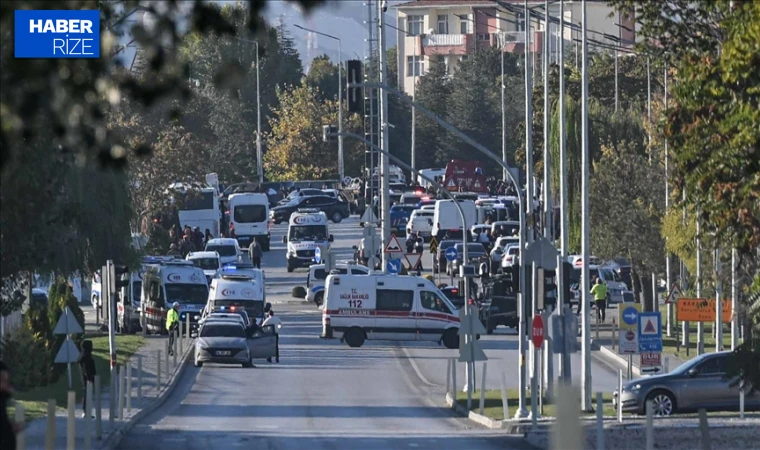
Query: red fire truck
[465, 176]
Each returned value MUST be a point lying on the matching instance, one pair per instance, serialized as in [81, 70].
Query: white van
[230, 292]
[173, 281]
[209, 262]
[315, 280]
[307, 230]
[421, 222]
[447, 219]
[249, 213]
[388, 307]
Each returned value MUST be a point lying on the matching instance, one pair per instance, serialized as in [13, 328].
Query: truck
[465, 176]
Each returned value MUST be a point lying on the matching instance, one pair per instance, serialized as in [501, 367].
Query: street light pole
[503, 110]
[384, 165]
[564, 366]
[341, 164]
[547, 197]
[259, 156]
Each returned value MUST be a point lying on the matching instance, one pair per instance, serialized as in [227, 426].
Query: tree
[323, 75]
[626, 211]
[296, 150]
[433, 91]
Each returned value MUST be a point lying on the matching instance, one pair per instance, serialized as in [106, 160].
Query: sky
[343, 19]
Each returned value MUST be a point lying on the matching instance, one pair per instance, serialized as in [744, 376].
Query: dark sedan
[476, 254]
[335, 209]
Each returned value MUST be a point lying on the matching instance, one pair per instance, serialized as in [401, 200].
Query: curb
[622, 363]
[475, 417]
[118, 434]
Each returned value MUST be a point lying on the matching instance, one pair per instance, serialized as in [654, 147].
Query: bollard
[88, 416]
[21, 436]
[98, 409]
[566, 433]
[50, 430]
[599, 421]
[71, 431]
[650, 426]
[483, 388]
[620, 396]
[666, 365]
[174, 357]
[741, 403]
[129, 386]
[504, 400]
[112, 395]
[454, 380]
[122, 382]
[166, 360]
[139, 377]
[704, 430]
[158, 371]
[448, 375]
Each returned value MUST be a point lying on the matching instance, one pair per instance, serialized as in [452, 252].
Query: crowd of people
[192, 240]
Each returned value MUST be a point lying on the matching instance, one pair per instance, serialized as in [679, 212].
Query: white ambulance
[307, 230]
[173, 281]
[230, 292]
[388, 307]
[315, 280]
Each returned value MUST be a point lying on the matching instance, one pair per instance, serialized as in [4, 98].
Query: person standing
[272, 320]
[8, 428]
[87, 371]
[172, 324]
[599, 292]
[255, 253]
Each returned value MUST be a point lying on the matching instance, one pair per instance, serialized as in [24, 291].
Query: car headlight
[635, 388]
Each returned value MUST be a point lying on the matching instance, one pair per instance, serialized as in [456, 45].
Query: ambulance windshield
[307, 233]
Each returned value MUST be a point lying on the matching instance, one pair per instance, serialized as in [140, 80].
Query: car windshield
[184, 293]
[222, 330]
[402, 209]
[250, 214]
[206, 263]
[136, 291]
[223, 250]
[472, 249]
[253, 308]
[307, 233]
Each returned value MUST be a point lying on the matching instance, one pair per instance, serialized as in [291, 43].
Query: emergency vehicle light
[232, 308]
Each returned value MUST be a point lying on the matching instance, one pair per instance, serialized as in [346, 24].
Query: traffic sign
[67, 324]
[629, 342]
[629, 315]
[537, 333]
[393, 266]
[701, 310]
[650, 332]
[628, 338]
[317, 255]
[347, 180]
[394, 246]
[674, 293]
[69, 353]
[451, 253]
[368, 216]
[413, 260]
[433, 245]
[650, 359]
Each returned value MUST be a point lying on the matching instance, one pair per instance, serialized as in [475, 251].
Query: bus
[199, 207]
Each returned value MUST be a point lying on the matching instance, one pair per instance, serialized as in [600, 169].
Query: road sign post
[469, 347]
[628, 316]
[413, 261]
[67, 325]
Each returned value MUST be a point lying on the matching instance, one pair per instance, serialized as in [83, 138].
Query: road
[323, 395]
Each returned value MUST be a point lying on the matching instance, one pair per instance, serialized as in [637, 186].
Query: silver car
[696, 384]
[223, 342]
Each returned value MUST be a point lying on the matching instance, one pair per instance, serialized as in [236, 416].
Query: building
[457, 28]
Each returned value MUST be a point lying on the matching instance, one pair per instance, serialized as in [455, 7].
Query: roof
[194, 255]
[439, 3]
[222, 241]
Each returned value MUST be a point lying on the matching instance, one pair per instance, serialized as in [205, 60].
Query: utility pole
[564, 361]
[547, 197]
[616, 80]
[503, 110]
[586, 400]
[718, 302]
[384, 165]
[734, 302]
[259, 156]
[528, 128]
[700, 325]
[669, 311]
[414, 114]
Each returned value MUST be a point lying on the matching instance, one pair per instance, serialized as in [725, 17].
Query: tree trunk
[647, 301]
[635, 281]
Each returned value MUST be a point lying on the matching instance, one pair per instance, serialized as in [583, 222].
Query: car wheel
[663, 403]
[318, 298]
[198, 363]
[337, 217]
[355, 337]
[290, 268]
[451, 338]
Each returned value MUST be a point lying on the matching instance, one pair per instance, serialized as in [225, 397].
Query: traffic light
[119, 271]
[355, 94]
[550, 287]
[567, 269]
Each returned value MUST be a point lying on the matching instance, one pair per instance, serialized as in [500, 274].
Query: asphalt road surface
[323, 394]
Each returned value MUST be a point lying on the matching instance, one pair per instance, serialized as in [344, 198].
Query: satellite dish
[431, 31]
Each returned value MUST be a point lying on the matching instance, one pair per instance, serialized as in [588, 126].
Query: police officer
[172, 324]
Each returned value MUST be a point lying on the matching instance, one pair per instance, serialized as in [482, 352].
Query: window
[431, 301]
[250, 213]
[394, 300]
[184, 293]
[415, 66]
[219, 330]
[223, 250]
[443, 24]
[713, 366]
[358, 272]
[464, 23]
[321, 274]
[463, 58]
[195, 201]
[415, 25]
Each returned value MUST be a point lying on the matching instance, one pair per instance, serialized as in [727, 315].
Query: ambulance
[129, 296]
[231, 292]
[315, 280]
[388, 307]
[167, 282]
[307, 231]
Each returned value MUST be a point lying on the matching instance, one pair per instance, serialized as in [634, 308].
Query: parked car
[699, 383]
[476, 254]
[335, 209]
[300, 193]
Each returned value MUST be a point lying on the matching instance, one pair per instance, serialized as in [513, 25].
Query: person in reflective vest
[600, 298]
[172, 323]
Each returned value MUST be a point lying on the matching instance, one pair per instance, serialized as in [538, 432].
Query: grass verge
[669, 344]
[493, 406]
[35, 400]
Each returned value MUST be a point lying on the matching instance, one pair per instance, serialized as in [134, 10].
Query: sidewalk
[152, 397]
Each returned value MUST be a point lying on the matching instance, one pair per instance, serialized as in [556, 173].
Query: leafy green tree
[433, 91]
[323, 75]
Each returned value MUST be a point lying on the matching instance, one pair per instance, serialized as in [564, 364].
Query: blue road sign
[630, 314]
[650, 332]
[451, 253]
[317, 255]
[393, 266]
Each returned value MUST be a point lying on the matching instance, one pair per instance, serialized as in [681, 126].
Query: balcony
[448, 44]
[514, 41]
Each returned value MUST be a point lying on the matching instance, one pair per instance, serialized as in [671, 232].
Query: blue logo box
[73, 34]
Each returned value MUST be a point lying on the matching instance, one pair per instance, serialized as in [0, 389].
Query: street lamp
[341, 168]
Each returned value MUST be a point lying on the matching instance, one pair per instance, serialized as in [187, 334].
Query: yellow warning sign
[701, 310]
[433, 245]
